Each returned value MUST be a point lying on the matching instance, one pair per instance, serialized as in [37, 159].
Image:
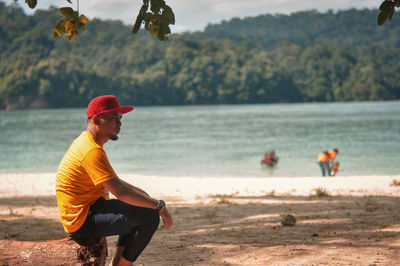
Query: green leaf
[147, 25]
[140, 17]
[148, 16]
[386, 5]
[168, 14]
[83, 19]
[162, 38]
[56, 33]
[162, 31]
[59, 29]
[156, 5]
[387, 10]
[155, 23]
[61, 25]
[31, 3]
[382, 17]
[67, 12]
[137, 25]
[81, 26]
[153, 29]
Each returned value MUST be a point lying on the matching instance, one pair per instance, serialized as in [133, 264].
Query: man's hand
[167, 218]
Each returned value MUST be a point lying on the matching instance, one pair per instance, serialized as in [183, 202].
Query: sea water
[216, 140]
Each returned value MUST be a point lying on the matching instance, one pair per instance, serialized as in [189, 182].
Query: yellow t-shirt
[78, 184]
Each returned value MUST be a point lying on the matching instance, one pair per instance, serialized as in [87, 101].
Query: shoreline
[192, 188]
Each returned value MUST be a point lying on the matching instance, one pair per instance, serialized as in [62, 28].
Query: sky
[195, 15]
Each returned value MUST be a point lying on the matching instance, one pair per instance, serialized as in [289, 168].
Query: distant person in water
[270, 159]
[323, 160]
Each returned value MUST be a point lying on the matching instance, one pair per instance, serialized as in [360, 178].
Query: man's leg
[136, 241]
[117, 258]
[321, 164]
[328, 168]
[135, 225]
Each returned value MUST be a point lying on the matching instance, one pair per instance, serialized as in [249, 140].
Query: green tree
[335, 61]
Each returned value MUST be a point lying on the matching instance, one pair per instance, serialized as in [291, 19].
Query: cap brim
[122, 109]
[125, 109]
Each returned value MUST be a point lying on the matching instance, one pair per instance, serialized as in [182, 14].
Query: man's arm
[136, 188]
[137, 197]
[332, 162]
[128, 194]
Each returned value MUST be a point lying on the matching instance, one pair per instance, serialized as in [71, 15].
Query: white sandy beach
[235, 221]
[190, 188]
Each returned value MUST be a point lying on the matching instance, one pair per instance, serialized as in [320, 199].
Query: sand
[237, 221]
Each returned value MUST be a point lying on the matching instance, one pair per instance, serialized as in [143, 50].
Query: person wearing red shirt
[270, 159]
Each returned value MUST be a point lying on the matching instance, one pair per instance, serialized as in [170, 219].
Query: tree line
[303, 57]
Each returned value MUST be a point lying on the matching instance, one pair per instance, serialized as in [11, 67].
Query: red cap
[104, 104]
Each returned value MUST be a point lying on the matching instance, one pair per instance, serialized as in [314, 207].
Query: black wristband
[161, 204]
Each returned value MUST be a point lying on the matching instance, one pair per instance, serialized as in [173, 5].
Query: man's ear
[96, 120]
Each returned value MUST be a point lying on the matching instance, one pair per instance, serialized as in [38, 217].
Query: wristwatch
[161, 204]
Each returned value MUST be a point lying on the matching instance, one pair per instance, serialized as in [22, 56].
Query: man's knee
[148, 217]
[153, 221]
[156, 219]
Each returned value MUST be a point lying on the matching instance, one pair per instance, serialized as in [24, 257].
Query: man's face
[110, 124]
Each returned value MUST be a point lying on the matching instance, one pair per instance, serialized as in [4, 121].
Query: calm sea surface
[216, 141]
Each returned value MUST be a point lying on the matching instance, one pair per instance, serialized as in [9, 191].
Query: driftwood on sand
[65, 251]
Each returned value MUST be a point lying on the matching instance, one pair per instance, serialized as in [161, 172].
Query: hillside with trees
[303, 57]
[350, 29]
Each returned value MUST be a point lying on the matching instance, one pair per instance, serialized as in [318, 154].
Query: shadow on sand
[235, 223]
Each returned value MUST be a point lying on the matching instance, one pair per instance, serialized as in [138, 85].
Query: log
[66, 251]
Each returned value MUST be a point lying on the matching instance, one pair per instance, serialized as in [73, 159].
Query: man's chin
[114, 137]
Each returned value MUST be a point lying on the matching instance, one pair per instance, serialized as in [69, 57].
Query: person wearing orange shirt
[323, 161]
[333, 153]
[85, 178]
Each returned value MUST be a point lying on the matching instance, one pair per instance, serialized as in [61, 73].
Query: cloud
[194, 15]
